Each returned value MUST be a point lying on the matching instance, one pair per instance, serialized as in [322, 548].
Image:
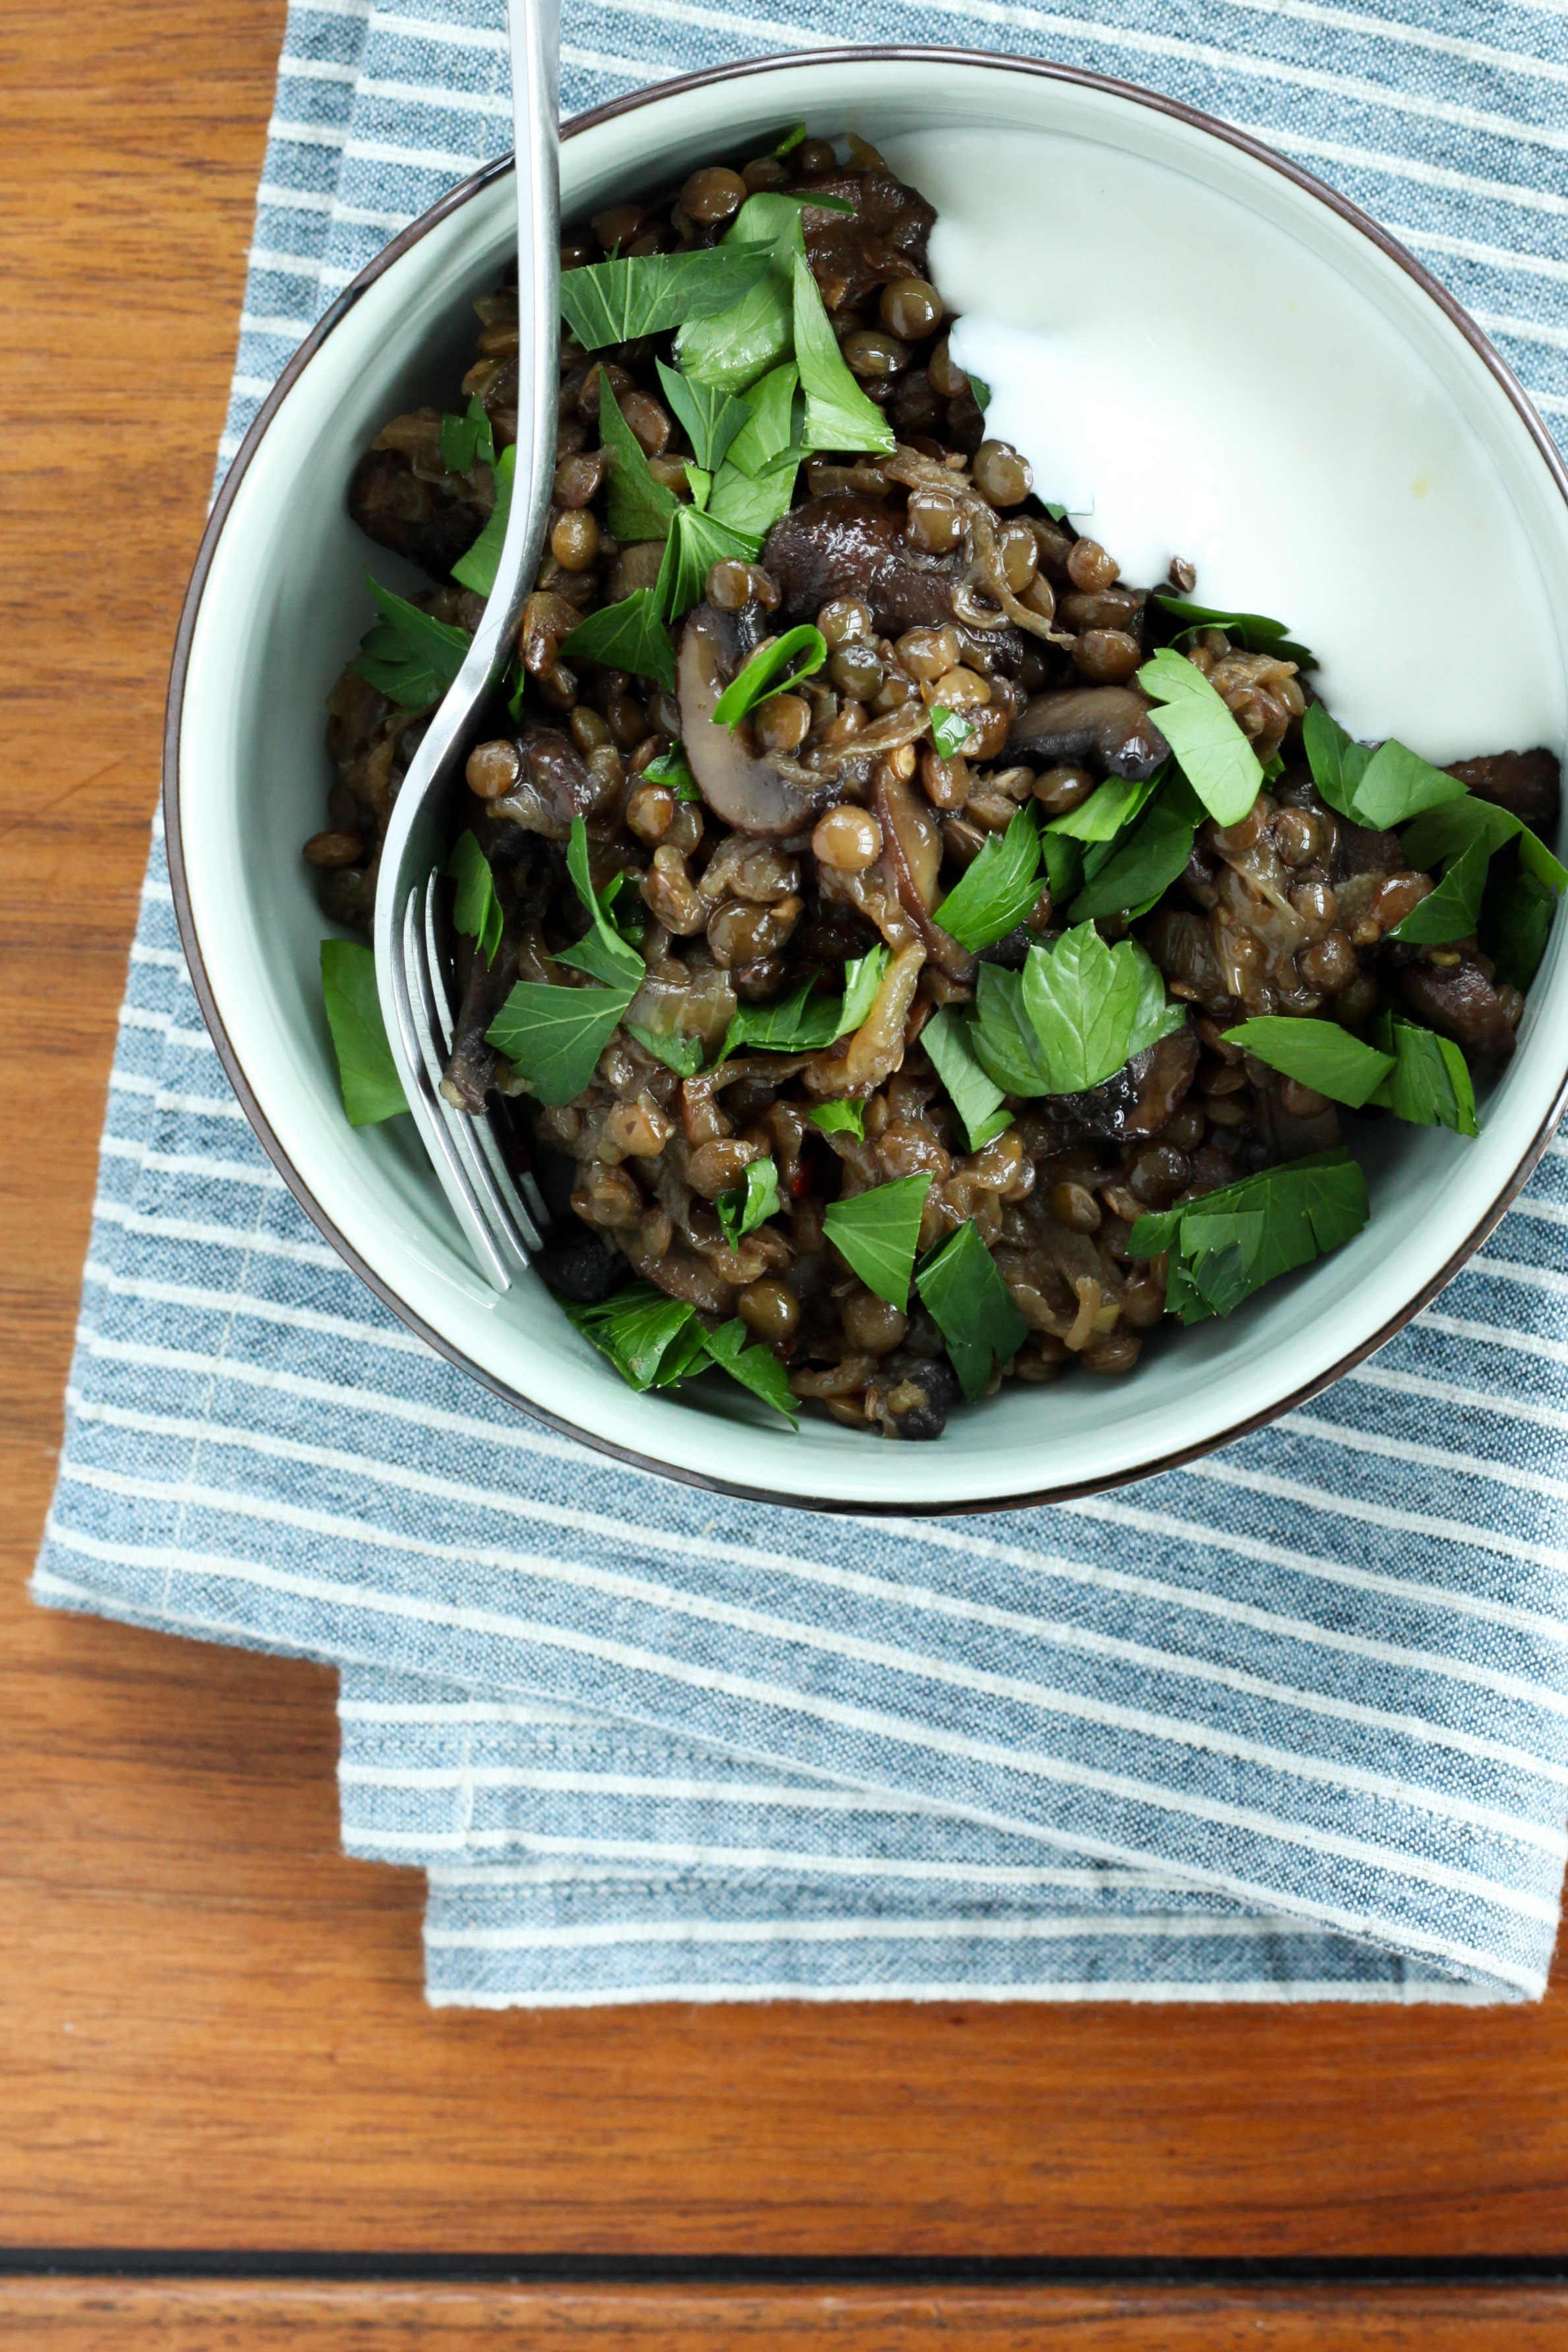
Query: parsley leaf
[972, 1307]
[752, 503]
[409, 656]
[840, 1118]
[1428, 1081]
[464, 439]
[771, 670]
[838, 413]
[793, 138]
[619, 301]
[1144, 862]
[628, 635]
[999, 889]
[1379, 788]
[635, 1328]
[1110, 807]
[711, 416]
[366, 1072]
[1515, 923]
[803, 1023]
[1229, 1244]
[1445, 831]
[476, 909]
[756, 1368]
[878, 1234]
[1215, 758]
[950, 730]
[1255, 631]
[1063, 865]
[638, 507]
[981, 391]
[767, 432]
[604, 953]
[673, 1048]
[696, 543]
[478, 567]
[976, 1098]
[742, 1209]
[672, 770]
[1454, 908]
[554, 1036]
[1090, 1008]
[1317, 1053]
[752, 335]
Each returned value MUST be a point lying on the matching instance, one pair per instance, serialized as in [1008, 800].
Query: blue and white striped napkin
[1292, 1723]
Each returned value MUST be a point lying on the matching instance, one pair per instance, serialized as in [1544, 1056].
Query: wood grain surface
[210, 2027]
[61, 2316]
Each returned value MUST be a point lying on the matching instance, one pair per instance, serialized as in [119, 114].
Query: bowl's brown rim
[1043, 70]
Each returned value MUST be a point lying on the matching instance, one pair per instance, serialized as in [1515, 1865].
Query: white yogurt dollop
[1185, 381]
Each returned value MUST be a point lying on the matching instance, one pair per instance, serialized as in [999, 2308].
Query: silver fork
[501, 1223]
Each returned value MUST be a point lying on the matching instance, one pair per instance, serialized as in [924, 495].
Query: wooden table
[226, 2115]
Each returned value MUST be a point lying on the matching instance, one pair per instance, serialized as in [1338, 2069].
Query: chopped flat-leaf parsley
[475, 910]
[1316, 1053]
[673, 1048]
[976, 1098]
[478, 567]
[1110, 808]
[1254, 631]
[972, 1307]
[752, 335]
[1075, 1015]
[840, 1118]
[1516, 922]
[771, 670]
[628, 635]
[638, 507]
[999, 889]
[752, 503]
[756, 1367]
[769, 433]
[366, 1072]
[1215, 758]
[554, 1036]
[802, 1023]
[712, 417]
[636, 1328]
[878, 1234]
[1229, 1244]
[619, 301]
[742, 1209]
[838, 413]
[1378, 788]
[950, 730]
[465, 438]
[672, 770]
[1146, 859]
[696, 543]
[605, 953]
[409, 656]
[1428, 1082]
[793, 138]
[1453, 909]
[1444, 832]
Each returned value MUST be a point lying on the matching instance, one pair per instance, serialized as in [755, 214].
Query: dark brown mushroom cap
[1529, 784]
[885, 239]
[850, 545]
[433, 523]
[1107, 725]
[742, 789]
[1459, 1002]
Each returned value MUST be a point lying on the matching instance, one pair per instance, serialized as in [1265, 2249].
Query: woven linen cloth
[1292, 1723]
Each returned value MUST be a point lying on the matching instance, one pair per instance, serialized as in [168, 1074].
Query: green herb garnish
[756, 1367]
[653, 1341]
[605, 954]
[802, 1023]
[1110, 808]
[772, 669]
[752, 503]
[972, 1307]
[1379, 788]
[1255, 631]
[999, 889]
[1074, 1018]
[878, 1234]
[673, 1048]
[1430, 1082]
[862, 977]
[619, 301]
[476, 909]
[366, 1072]
[1228, 1245]
[980, 392]
[554, 1036]
[1316, 1053]
[1515, 923]
[478, 567]
[672, 770]
[1453, 908]
[712, 417]
[409, 656]
[638, 507]
[696, 543]
[1215, 758]
[950, 730]
[1141, 863]
[793, 138]
[628, 635]
[742, 1209]
[465, 438]
[840, 1118]
[754, 334]
[976, 1098]
[1447, 830]
[768, 432]
[838, 413]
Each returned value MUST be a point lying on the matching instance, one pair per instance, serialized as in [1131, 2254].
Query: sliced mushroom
[911, 857]
[850, 545]
[1109, 724]
[751, 793]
